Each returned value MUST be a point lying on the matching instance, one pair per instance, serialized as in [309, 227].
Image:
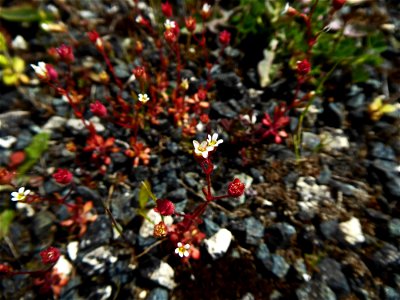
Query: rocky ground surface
[326, 226]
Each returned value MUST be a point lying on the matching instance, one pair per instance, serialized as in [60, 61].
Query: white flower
[206, 7]
[213, 140]
[139, 19]
[182, 250]
[20, 195]
[202, 149]
[143, 98]
[285, 10]
[40, 69]
[169, 24]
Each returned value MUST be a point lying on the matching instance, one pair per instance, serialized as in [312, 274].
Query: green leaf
[144, 194]
[20, 13]
[34, 151]
[6, 218]
[18, 64]
[3, 43]
[4, 62]
[9, 77]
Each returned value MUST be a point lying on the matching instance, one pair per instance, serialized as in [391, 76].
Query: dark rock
[382, 151]
[386, 173]
[331, 273]
[101, 292]
[308, 239]
[334, 114]
[273, 263]
[96, 261]
[141, 173]
[315, 290]
[121, 272]
[121, 207]
[118, 158]
[386, 257]
[394, 227]
[211, 227]
[279, 267]
[229, 86]
[263, 253]
[42, 226]
[324, 176]
[220, 109]
[280, 235]
[254, 231]
[377, 215]
[98, 233]
[158, 294]
[357, 101]
[329, 228]
[257, 175]
[172, 147]
[23, 140]
[158, 272]
[389, 293]
[346, 189]
[310, 140]
[88, 193]
[177, 195]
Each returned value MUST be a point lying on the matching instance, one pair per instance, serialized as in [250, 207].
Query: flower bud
[170, 36]
[338, 4]
[164, 207]
[224, 38]
[65, 53]
[190, 23]
[98, 109]
[303, 67]
[95, 39]
[166, 9]
[63, 176]
[52, 73]
[160, 230]
[236, 188]
[4, 269]
[6, 176]
[50, 255]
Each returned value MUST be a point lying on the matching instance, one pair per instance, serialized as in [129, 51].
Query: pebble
[7, 141]
[218, 244]
[97, 261]
[315, 290]
[254, 231]
[159, 272]
[158, 294]
[352, 231]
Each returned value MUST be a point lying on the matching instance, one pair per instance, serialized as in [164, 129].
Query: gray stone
[394, 227]
[331, 273]
[254, 231]
[158, 294]
[218, 244]
[159, 272]
[315, 290]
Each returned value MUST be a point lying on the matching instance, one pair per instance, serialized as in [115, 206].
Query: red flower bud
[190, 23]
[138, 47]
[95, 39]
[170, 36]
[4, 269]
[166, 9]
[16, 158]
[50, 255]
[65, 53]
[62, 176]
[164, 207]
[98, 109]
[303, 67]
[236, 188]
[160, 230]
[224, 38]
[6, 176]
[52, 74]
[139, 72]
[338, 4]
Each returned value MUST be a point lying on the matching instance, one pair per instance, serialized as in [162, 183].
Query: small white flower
[202, 149]
[285, 10]
[169, 24]
[213, 140]
[40, 69]
[206, 7]
[139, 19]
[182, 250]
[20, 195]
[143, 98]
